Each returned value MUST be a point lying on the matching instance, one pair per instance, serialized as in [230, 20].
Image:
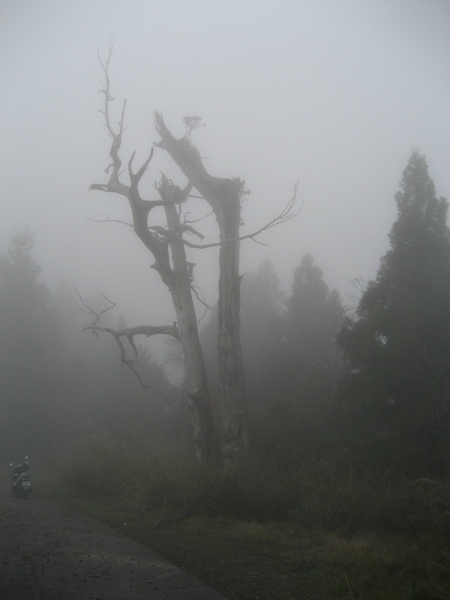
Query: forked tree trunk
[224, 197]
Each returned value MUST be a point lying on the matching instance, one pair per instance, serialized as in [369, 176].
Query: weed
[318, 494]
[349, 535]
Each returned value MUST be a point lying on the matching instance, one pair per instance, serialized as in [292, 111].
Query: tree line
[59, 385]
[368, 386]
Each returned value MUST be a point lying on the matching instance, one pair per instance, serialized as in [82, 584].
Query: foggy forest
[225, 277]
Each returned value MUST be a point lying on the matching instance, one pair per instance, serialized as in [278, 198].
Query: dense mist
[328, 99]
[333, 96]
[225, 293]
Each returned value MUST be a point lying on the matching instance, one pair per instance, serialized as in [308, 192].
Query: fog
[332, 95]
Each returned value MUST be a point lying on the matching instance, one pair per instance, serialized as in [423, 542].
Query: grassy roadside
[270, 536]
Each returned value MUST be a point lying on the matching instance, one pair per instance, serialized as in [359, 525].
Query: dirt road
[48, 552]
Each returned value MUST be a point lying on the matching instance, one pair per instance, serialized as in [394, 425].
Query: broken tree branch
[285, 215]
[94, 220]
[128, 333]
[97, 315]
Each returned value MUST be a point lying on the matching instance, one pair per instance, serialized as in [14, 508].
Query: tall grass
[167, 485]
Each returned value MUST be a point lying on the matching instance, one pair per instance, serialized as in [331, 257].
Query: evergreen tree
[314, 316]
[262, 309]
[398, 342]
[29, 348]
[292, 363]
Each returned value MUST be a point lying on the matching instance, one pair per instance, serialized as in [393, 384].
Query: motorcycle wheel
[20, 492]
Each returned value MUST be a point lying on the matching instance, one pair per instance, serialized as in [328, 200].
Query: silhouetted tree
[29, 349]
[167, 247]
[398, 342]
[263, 342]
[314, 315]
[291, 361]
[299, 423]
[168, 244]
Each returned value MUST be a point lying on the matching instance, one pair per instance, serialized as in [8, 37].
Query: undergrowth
[317, 494]
[321, 527]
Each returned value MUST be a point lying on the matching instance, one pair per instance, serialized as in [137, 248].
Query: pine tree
[314, 316]
[399, 342]
[262, 307]
[29, 350]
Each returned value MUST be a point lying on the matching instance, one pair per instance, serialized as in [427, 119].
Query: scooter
[21, 480]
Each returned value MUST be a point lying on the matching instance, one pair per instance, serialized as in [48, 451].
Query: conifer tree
[399, 341]
[29, 348]
[314, 315]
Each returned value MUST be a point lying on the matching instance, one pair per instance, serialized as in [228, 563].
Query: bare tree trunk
[224, 196]
[232, 389]
[167, 247]
[205, 439]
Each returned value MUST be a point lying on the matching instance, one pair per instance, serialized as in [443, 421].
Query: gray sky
[332, 94]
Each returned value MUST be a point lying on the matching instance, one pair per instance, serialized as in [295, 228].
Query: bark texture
[224, 197]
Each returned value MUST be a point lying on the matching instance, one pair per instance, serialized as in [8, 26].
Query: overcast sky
[332, 94]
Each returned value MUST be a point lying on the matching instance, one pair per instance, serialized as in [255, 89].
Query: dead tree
[224, 196]
[167, 247]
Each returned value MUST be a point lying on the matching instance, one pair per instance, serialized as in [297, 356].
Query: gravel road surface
[48, 552]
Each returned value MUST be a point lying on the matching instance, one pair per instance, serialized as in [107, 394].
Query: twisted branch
[128, 333]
